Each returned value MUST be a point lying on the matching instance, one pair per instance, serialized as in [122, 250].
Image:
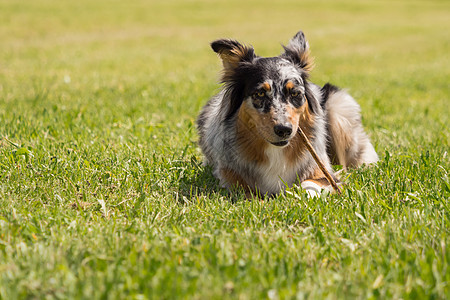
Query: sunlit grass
[102, 190]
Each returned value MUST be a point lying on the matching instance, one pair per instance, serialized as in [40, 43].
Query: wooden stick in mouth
[318, 161]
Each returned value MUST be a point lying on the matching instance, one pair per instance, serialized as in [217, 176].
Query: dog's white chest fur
[277, 172]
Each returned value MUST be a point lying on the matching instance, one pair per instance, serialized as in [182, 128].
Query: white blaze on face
[289, 72]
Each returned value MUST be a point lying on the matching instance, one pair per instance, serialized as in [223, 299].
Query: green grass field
[102, 190]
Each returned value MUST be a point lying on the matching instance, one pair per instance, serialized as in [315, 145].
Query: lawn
[102, 189]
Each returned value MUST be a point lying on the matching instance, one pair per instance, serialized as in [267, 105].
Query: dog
[248, 131]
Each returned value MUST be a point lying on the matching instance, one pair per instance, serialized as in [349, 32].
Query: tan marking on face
[266, 86]
[299, 117]
[262, 124]
[289, 85]
[251, 143]
[265, 122]
[294, 115]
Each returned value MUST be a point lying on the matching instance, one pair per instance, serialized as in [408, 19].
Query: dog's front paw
[314, 189]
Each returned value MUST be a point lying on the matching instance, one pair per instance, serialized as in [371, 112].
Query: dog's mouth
[280, 144]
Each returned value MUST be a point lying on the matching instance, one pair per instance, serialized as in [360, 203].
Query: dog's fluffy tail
[349, 145]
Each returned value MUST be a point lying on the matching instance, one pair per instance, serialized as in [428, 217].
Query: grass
[102, 191]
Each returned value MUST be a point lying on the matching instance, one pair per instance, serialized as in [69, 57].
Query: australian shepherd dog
[248, 131]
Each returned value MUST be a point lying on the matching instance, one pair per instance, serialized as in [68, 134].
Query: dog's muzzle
[283, 131]
[280, 144]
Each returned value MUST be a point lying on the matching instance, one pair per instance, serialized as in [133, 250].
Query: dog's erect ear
[297, 51]
[232, 53]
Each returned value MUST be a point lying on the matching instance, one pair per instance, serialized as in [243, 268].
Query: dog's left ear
[232, 53]
[297, 51]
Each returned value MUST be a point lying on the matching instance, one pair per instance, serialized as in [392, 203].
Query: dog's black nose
[282, 130]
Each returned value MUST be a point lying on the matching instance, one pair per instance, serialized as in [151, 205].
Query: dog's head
[270, 95]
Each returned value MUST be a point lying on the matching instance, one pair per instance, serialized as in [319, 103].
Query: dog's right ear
[232, 53]
[297, 51]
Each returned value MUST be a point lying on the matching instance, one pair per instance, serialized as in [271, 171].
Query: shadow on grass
[198, 180]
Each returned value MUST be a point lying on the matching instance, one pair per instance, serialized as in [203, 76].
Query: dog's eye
[258, 99]
[259, 94]
[295, 94]
[297, 98]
